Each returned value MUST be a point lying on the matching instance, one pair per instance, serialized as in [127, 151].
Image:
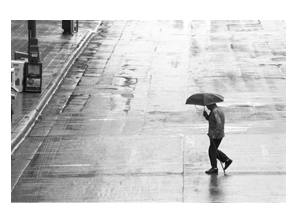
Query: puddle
[125, 81]
[129, 97]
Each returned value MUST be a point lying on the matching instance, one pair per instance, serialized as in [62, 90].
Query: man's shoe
[228, 163]
[212, 171]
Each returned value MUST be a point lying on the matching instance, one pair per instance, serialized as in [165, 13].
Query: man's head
[211, 107]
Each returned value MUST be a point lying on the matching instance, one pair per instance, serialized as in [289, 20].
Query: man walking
[216, 133]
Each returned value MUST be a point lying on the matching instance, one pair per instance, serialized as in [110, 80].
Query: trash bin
[70, 26]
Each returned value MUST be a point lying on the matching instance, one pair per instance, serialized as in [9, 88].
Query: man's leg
[214, 143]
[222, 157]
[214, 152]
[212, 156]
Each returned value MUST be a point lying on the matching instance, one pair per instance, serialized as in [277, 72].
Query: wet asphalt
[118, 129]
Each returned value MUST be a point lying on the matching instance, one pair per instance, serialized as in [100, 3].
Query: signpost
[33, 68]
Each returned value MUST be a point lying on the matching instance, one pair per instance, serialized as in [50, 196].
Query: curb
[28, 121]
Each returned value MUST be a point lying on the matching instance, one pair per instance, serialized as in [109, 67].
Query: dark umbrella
[204, 99]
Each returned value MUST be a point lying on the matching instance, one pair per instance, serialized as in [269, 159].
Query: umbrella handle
[198, 109]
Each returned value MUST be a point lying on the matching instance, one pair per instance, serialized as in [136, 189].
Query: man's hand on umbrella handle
[205, 114]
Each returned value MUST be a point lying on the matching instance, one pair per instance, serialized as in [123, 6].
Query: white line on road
[265, 152]
[133, 155]
[71, 165]
[102, 119]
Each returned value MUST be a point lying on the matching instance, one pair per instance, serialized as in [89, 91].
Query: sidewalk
[57, 52]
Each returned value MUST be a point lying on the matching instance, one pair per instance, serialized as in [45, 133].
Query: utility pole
[33, 68]
[33, 48]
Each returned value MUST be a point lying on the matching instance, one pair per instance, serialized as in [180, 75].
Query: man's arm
[205, 114]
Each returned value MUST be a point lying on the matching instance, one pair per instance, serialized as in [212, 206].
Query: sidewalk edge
[31, 117]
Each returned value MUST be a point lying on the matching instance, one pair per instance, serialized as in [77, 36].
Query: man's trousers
[214, 152]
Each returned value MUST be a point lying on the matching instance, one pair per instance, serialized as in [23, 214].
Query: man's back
[217, 123]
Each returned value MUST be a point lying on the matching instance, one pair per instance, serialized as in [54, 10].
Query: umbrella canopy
[204, 99]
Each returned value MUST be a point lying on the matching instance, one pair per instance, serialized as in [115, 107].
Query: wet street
[118, 129]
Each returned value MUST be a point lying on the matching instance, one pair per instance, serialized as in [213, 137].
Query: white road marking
[71, 165]
[102, 119]
[133, 154]
[265, 152]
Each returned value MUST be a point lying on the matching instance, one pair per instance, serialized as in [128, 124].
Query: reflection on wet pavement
[215, 189]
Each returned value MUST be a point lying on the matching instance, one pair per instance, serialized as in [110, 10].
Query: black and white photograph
[133, 111]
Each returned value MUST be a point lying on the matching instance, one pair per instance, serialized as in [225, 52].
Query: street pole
[33, 68]
[33, 49]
